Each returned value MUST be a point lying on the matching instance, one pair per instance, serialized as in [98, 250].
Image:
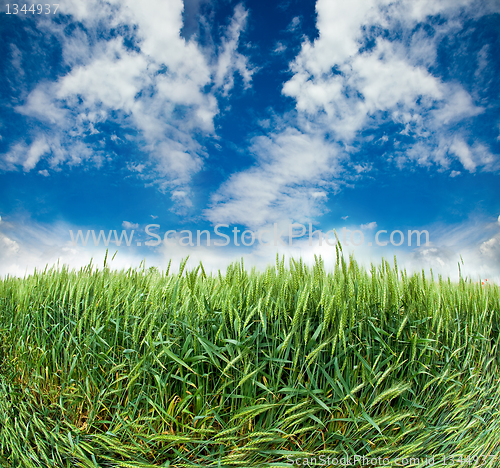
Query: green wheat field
[144, 368]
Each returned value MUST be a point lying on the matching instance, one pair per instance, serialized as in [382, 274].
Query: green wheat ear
[146, 368]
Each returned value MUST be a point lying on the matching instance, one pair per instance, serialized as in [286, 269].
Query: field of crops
[142, 368]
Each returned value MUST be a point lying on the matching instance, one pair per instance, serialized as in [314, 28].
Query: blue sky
[366, 115]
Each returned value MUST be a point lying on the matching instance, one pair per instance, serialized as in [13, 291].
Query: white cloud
[25, 245]
[166, 88]
[340, 90]
[457, 106]
[230, 61]
[472, 157]
[294, 24]
[279, 48]
[129, 225]
[112, 79]
[477, 241]
[40, 104]
[361, 168]
[348, 89]
[369, 226]
[386, 79]
[464, 154]
[282, 185]
[35, 152]
[9, 247]
[182, 200]
[24, 156]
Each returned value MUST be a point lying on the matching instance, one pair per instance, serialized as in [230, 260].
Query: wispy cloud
[294, 24]
[230, 61]
[24, 156]
[129, 225]
[369, 226]
[283, 185]
[279, 48]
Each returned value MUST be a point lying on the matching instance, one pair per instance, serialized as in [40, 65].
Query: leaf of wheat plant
[144, 368]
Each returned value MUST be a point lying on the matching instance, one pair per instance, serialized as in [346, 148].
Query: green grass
[137, 368]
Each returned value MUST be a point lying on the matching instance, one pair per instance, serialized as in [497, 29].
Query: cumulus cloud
[350, 88]
[162, 91]
[369, 66]
[40, 104]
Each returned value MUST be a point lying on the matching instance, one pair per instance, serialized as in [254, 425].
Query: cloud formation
[372, 65]
[26, 245]
[284, 184]
[129, 66]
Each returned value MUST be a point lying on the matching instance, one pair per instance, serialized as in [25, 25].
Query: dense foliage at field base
[141, 368]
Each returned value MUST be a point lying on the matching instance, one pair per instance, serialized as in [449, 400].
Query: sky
[163, 118]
